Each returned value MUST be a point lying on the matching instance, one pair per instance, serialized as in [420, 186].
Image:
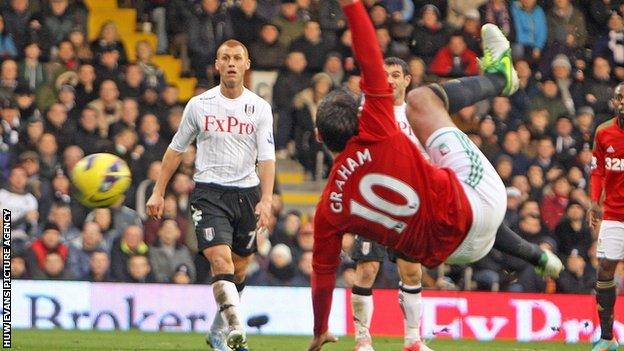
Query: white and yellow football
[100, 180]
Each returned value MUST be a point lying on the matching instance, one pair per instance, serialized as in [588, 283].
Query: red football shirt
[608, 169]
[381, 187]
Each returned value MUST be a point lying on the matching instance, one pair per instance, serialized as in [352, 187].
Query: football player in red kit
[607, 183]
[382, 188]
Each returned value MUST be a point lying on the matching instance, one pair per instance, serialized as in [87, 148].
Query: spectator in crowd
[181, 275]
[108, 106]
[48, 149]
[489, 140]
[139, 270]
[86, 89]
[247, 21]
[128, 119]
[103, 218]
[153, 76]
[512, 147]
[578, 277]
[570, 89]
[17, 19]
[281, 269]
[455, 59]
[109, 38]
[289, 82]
[32, 71]
[290, 23]
[333, 68]
[167, 254]
[391, 47]
[65, 60]
[37, 185]
[81, 46]
[460, 10]
[18, 267]
[572, 232]
[429, 35]
[331, 17]
[53, 268]
[207, 29]
[312, 45]
[530, 27]
[60, 18]
[7, 45]
[566, 25]
[549, 98]
[153, 145]
[99, 267]
[566, 144]
[268, 53]
[598, 89]
[305, 106]
[61, 215]
[48, 242]
[584, 123]
[87, 133]
[132, 83]
[498, 12]
[554, 203]
[8, 79]
[82, 247]
[611, 44]
[22, 204]
[59, 125]
[107, 65]
[128, 245]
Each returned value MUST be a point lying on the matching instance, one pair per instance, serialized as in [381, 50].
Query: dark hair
[395, 61]
[337, 119]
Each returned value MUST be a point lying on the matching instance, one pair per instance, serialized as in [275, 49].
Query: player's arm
[266, 165]
[377, 117]
[596, 182]
[325, 261]
[186, 133]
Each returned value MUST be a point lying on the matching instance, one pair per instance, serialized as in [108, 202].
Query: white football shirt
[232, 134]
[401, 118]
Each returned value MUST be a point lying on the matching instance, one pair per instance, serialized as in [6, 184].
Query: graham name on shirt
[342, 176]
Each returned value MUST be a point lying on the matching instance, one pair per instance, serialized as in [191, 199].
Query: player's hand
[263, 213]
[594, 215]
[317, 343]
[155, 206]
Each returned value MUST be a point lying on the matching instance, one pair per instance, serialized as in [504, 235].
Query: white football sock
[218, 324]
[227, 299]
[410, 299]
[362, 306]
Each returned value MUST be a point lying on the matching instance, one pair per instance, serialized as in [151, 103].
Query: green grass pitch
[34, 340]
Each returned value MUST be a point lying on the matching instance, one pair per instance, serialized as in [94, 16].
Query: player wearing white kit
[234, 132]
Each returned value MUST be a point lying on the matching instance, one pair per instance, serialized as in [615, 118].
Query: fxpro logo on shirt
[229, 124]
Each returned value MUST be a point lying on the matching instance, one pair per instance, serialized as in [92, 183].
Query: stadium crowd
[63, 97]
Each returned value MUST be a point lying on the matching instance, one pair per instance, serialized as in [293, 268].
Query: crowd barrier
[184, 308]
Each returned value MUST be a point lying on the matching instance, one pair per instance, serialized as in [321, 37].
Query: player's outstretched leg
[499, 77]
[227, 298]
[546, 263]
[428, 108]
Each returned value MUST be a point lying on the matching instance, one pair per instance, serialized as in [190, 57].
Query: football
[100, 180]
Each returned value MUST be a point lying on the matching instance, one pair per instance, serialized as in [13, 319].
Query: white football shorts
[451, 148]
[611, 240]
